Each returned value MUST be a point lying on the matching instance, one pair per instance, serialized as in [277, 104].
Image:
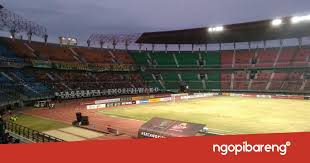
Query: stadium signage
[245, 147]
[107, 101]
[163, 128]
[91, 107]
[83, 67]
[107, 92]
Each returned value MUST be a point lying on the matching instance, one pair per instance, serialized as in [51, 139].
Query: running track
[65, 112]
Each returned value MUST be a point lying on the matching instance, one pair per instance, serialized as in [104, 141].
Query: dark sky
[80, 18]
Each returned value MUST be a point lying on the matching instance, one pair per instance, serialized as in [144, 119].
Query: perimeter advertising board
[163, 128]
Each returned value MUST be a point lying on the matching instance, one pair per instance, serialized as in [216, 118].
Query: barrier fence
[108, 103]
[30, 134]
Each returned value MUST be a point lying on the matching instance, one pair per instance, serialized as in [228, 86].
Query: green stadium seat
[172, 76]
[154, 84]
[163, 59]
[214, 76]
[213, 85]
[140, 58]
[213, 59]
[147, 76]
[196, 85]
[172, 85]
[187, 58]
[189, 76]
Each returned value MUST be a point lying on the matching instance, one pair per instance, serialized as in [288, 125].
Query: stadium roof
[283, 28]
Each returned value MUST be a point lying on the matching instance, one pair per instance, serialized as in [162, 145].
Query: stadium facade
[33, 70]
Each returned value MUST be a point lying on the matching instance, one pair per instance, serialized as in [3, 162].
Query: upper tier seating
[286, 57]
[227, 59]
[122, 57]
[266, 58]
[163, 59]
[302, 57]
[140, 58]
[187, 58]
[21, 49]
[53, 52]
[72, 80]
[212, 59]
[244, 58]
[4, 51]
[95, 55]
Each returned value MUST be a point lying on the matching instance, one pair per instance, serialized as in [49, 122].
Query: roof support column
[88, 43]
[192, 48]
[249, 44]
[153, 48]
[101, 44]
[29, 36]
[300, 42]
[140, 47]
[45, 39]
[114, 44]
[126, 45]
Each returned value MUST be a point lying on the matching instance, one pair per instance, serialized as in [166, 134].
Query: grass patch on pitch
[39, 124]
[239, 115]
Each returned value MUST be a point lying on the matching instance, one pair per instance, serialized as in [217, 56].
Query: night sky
[80, 18]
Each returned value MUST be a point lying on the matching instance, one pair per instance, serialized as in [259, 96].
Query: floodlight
[295, 19]
[276, 22]
[298, 19]
[219, 28]
[216, 29]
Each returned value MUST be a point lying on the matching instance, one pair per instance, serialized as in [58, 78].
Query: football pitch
[228, 115]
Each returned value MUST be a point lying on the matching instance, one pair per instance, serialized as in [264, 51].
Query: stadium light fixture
[276, 22]
[299, 19]
[216, 29]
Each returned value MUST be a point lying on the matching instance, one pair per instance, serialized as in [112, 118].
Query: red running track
[65, 112]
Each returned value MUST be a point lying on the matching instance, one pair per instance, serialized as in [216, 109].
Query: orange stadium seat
[266, 58]
[123, 57]
[53, 52]
[92, 55]
[21, 49]
[227, 58]
[243, 58]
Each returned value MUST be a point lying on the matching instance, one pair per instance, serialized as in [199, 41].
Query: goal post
[179, 97]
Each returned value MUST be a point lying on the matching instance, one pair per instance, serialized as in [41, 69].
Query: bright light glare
[216, 29]
[298, 19]
[276, 22]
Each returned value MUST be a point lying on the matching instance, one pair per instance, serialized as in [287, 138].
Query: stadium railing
[30, 134]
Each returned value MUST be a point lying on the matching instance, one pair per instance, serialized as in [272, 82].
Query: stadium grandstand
[263, 57]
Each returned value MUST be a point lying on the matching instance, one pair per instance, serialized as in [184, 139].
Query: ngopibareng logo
[245, 147]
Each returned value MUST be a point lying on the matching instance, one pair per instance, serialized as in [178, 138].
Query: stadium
[245, 78]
